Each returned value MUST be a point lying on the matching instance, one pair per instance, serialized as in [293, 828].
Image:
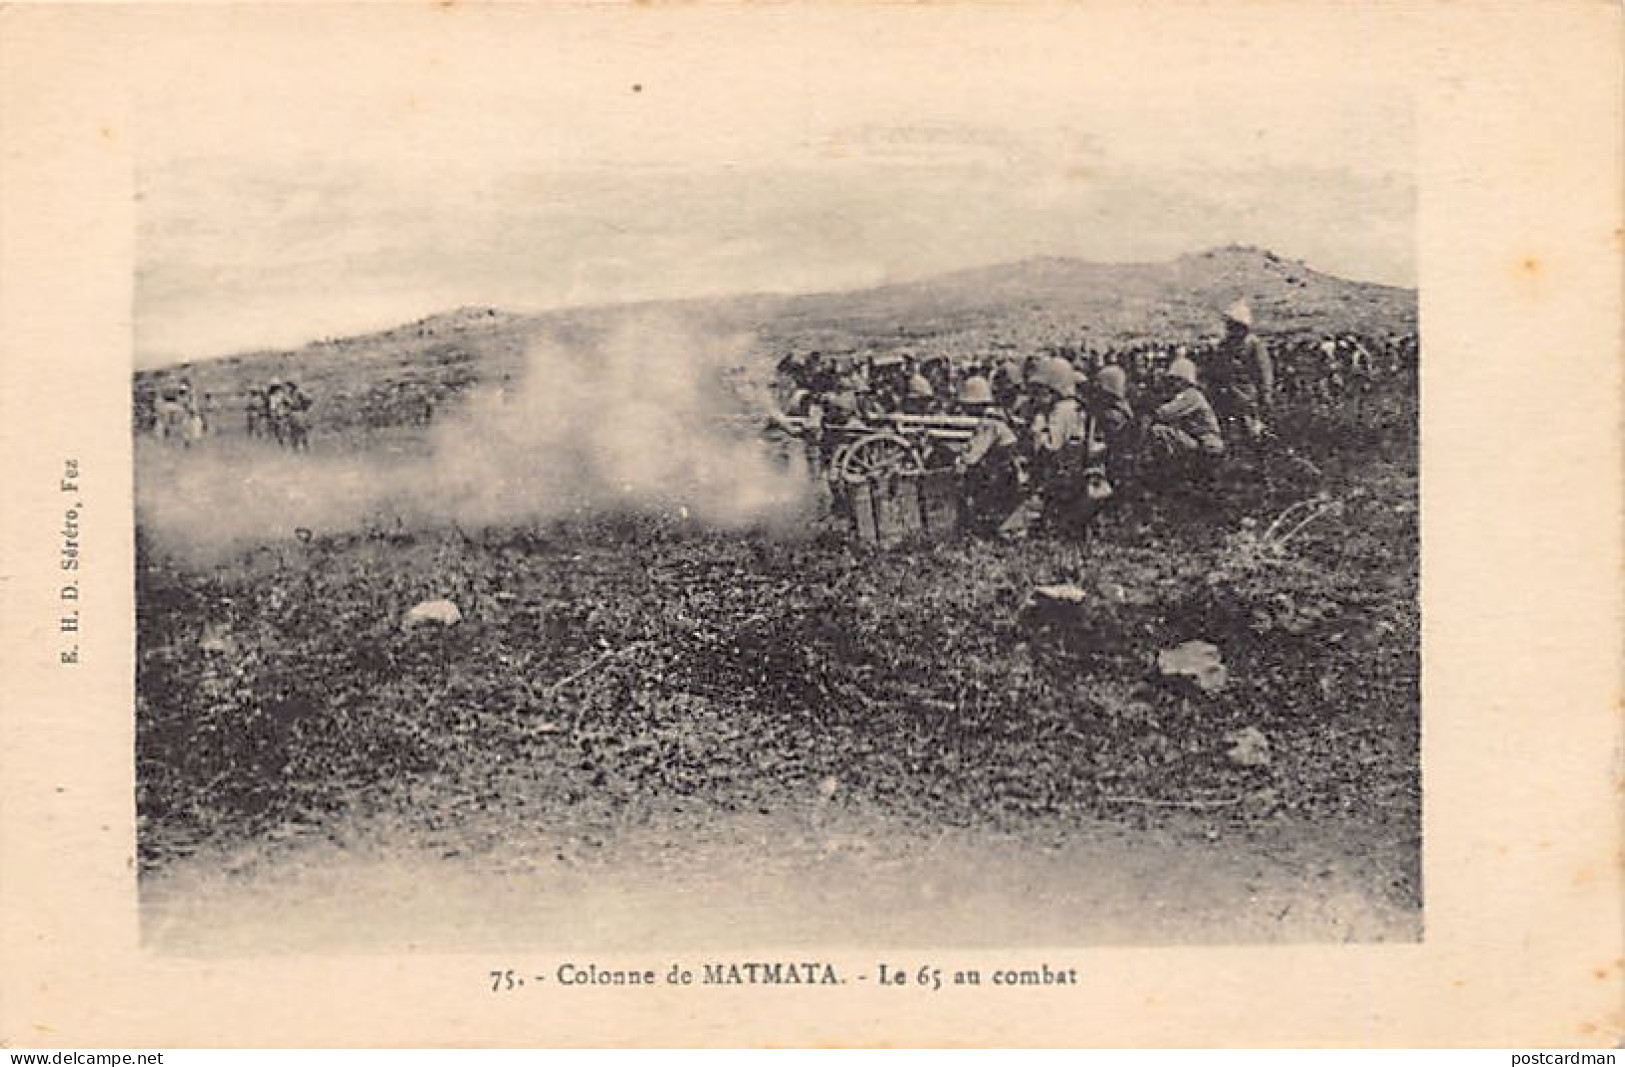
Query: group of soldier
[1321, 370]
[1046, 439]
[1056, 432]
[281, 412]
[175, 412]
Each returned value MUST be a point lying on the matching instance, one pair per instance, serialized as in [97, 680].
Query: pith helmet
[1113, 380]
[1241, 312]
[842, 400]
[1057, 374]
[919, 388]
[975, 390]
[1182, 369]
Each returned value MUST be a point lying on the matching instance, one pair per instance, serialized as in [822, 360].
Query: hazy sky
[295, 184]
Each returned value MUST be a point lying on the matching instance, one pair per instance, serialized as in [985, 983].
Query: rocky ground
[796, 735]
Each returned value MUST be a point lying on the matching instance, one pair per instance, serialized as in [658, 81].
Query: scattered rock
[1068, 611]
[1196, 660]
[432, 613]
[216, 639]
[1249, 747]
[1064, 594]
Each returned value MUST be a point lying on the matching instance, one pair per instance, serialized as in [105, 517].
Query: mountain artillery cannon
[863, 450]
[892, 474]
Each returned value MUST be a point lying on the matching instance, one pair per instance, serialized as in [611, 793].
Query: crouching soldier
[1109, 407]
[1067, 488]
[1183, 436]
[992, 482]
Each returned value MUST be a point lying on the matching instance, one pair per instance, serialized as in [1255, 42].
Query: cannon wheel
[875, 455]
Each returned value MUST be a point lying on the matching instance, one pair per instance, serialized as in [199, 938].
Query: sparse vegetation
[609, 664]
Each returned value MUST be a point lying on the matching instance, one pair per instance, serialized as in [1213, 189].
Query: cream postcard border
[1520, 247]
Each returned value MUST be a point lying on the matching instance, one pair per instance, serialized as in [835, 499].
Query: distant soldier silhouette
[256, 414]
[188, 416]
[276, 411]
[170, 424]
[296, 417]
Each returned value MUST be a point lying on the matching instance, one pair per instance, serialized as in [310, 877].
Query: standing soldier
[1240, 373]
[191, 415]
[164, 407]
[988, 463]
[1007, 383]
[202, 416]
[276, 412]
[821, 376]
[1359, 362]
[797, 429]
[887, 383]
[298, 416]
[920, 398]
[255, 412]
[791, 377]
[939, 371]
[146, 415]
[1329, 387]
[1288, 376]
[1143, 365]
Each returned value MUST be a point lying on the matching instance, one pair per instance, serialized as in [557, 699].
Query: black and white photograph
[811, 525]
[618, 501]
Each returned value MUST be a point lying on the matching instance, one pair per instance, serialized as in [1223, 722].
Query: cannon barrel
[952, 429]
[931, 422]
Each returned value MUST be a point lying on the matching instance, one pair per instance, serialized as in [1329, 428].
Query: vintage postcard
[811, 524]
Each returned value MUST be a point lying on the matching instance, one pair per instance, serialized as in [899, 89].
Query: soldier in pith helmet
[992, 484]
[1240, 373]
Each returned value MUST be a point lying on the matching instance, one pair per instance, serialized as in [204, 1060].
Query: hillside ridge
[1213, 276]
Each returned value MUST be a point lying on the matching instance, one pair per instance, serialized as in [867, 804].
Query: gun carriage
[876, 446]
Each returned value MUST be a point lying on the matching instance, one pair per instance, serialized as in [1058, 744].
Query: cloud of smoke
[642, 421]
[634, 423]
